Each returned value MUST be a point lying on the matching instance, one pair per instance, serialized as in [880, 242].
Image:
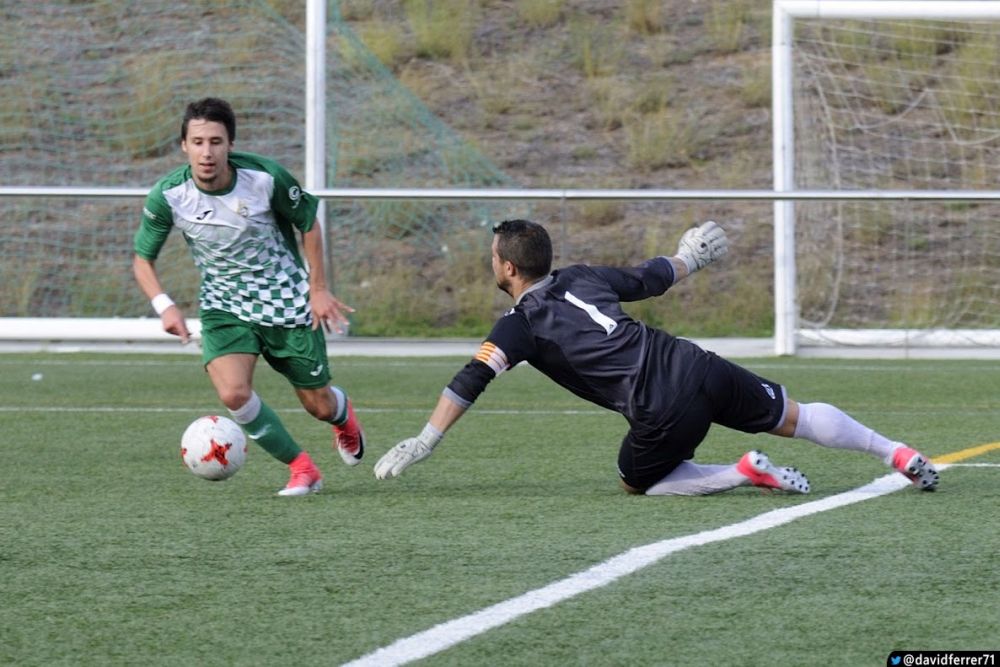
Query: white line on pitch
[448, 634]
[185, 361]
[141, 409]
[968, 465]
[585, 412]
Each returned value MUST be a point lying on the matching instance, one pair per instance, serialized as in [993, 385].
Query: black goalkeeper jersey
[571, 327]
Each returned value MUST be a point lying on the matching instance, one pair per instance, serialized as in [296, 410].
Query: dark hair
[213, 109]
[526, 245]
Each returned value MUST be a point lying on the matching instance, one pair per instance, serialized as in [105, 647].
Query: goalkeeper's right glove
[408, 452]
[702, 245]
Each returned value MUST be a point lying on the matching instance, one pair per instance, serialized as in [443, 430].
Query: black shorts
[729, 395]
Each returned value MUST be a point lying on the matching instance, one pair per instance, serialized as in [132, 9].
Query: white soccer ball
[214, 447]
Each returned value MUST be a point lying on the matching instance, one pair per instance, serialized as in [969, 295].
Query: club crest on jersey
[295, 194]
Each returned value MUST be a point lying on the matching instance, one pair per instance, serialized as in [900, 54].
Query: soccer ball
[214, 447]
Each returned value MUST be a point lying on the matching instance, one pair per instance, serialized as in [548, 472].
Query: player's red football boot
[349, 438]
[305, 477]
[761, 472]
[916, 467]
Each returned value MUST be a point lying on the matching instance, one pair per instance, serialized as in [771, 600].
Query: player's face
[499, 272]
[207, 147]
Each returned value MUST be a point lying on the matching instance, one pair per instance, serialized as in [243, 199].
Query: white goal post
[789, 333]
[793, 195]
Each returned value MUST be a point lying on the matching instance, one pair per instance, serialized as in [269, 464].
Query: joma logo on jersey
[295, 194]
[204, 214]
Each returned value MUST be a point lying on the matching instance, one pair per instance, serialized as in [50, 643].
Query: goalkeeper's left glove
[408, 452]
[702, 245]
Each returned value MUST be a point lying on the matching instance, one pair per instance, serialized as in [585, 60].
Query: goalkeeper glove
[702, 245]
[408, 452]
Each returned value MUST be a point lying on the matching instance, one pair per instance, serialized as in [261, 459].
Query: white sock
[341, 398]
[831, 427]
[249, 411]
[698, 479]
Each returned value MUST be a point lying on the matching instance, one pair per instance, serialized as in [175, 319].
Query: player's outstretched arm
[413, 450]
[702, 245]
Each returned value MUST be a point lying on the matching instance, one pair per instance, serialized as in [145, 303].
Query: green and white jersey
[242, 238]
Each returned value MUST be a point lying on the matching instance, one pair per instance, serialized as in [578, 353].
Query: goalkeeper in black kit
[569, 325]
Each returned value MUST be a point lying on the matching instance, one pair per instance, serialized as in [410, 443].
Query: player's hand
[174, 323]
[401, 457]
[702, 245]
[328, 311]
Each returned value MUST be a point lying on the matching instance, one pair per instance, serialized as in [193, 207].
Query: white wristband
[430, 436]
[161, 302]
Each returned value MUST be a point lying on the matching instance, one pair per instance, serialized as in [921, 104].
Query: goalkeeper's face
[207, 147]
[500, 272]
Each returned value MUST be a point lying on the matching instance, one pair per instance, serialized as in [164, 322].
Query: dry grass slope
[626, 94]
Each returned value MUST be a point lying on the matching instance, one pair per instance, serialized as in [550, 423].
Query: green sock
[268, 432]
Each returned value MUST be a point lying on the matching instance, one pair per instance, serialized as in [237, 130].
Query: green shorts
[298, 353]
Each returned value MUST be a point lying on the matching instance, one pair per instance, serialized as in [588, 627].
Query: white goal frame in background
[788, 336]
[787, 333]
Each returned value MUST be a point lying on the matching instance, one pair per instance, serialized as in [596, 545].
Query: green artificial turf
[112, 553]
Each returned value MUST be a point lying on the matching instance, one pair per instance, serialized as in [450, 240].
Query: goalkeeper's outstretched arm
[412, 450]
[699, 247]
[457, 397]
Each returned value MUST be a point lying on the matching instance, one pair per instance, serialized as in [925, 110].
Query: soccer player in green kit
[239, 213]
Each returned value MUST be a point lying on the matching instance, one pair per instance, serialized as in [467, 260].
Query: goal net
[897, 104]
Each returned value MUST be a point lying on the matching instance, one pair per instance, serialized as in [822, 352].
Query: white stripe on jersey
[608, 324]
